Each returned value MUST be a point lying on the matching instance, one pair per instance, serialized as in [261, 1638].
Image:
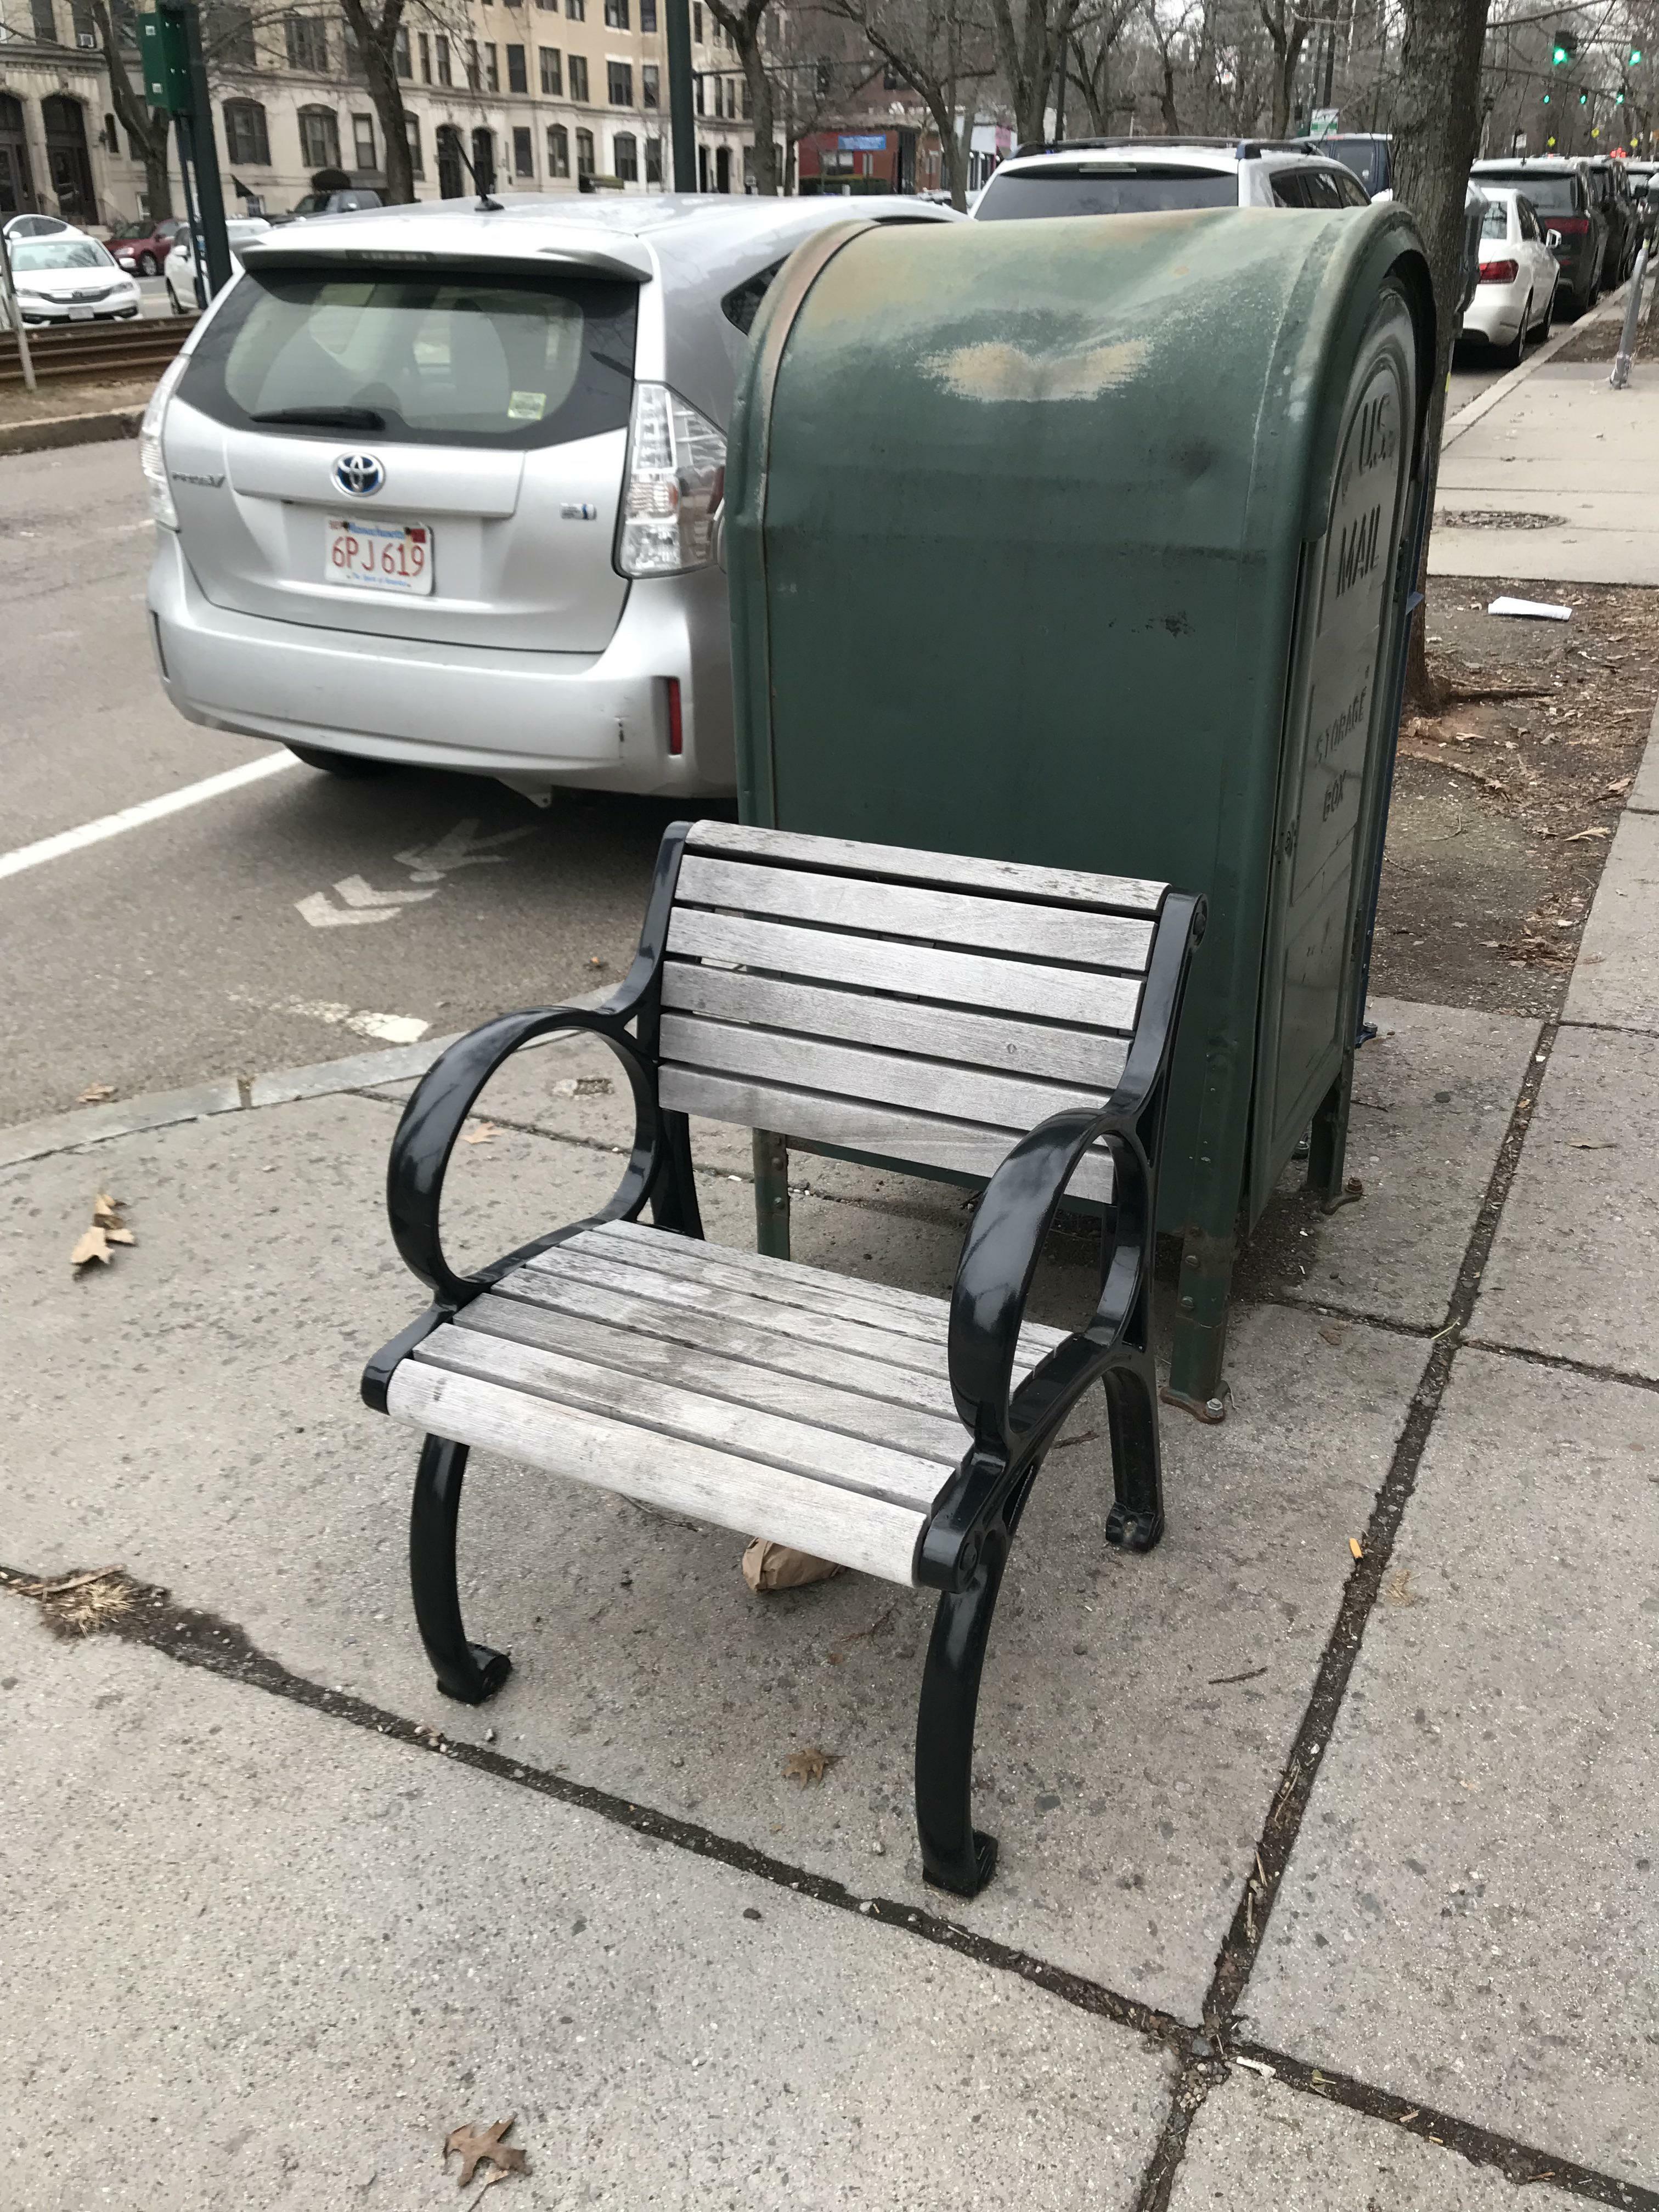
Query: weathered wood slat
[658, 1245]
[1114, 894]
[691, 1413]
[742, 1302]
[883, 1078]
[909, 971]
[883, 1131]
[1071, 935]
[841, 1296]
[870, 1535]
[1084, 1057]
[844, 1406]
[689, 1324]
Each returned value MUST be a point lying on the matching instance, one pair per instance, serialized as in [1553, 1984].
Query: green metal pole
[681, 122]
[209, 196]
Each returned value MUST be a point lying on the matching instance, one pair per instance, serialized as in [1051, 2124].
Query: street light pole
[681, 122]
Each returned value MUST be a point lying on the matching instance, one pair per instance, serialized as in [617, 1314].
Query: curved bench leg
[955, 1854]
[468, 1671]
[1135, 1521]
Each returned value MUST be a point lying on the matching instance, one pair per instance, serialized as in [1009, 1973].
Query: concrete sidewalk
[1324, 1882]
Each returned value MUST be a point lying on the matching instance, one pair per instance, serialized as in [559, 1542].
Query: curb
[165, 1110]
[1484, 402]
[69, 430]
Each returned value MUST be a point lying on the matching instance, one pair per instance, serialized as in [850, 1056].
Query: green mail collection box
[1090, 542]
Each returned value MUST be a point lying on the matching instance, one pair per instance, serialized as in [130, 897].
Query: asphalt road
[177, 952]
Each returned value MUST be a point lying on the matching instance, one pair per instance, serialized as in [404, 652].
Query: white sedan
[1515, 296]
[67, 278]
[179, 267]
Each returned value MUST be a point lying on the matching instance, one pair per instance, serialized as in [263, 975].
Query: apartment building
[525, 96]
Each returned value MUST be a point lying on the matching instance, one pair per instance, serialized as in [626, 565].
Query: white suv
[1143, 176]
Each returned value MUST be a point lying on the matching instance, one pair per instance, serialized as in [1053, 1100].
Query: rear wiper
[326, 418]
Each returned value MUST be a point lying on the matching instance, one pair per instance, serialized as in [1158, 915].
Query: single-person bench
[1009, 1022]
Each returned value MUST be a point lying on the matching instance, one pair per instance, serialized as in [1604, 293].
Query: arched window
[246, 140]
[625, 157]
[558, 151]
[584, 153]
[483, 160]
[451, 171]
[320, 138]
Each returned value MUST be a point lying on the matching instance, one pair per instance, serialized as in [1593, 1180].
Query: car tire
[1512, 355]
[148, 264]
[349, 765]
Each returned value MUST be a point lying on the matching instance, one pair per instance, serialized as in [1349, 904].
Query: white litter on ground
[1540, 607]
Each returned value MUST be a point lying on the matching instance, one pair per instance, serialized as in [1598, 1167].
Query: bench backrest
[922, 1007]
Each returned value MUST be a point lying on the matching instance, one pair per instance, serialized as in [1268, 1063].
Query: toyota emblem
[360, 474]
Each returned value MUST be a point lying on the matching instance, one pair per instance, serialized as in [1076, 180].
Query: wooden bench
[1013, 1023]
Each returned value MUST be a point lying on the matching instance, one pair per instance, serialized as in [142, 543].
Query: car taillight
[1569, 225]
[675, 484]
[1499, 272]
[676, 734]
[152, 462]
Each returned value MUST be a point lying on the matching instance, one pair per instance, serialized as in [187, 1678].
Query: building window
[553, 5]
[625, 157]
[363, 142]
[245, 138]
[653, 161]
[697, 85]
[45, 22]
[444, 76]
[308, 44]
[648, 94]
[231, 29]
[517, 79]
[584, 153]
[355, 67]
[492, 69]
[111, 135]
[558, 151]
[576, 10]
[319, 136]
[748, 100]
[621, 85]
[552, 73]
[647, 15]
[696, 21]
[400, 56]
[483, 159]
[524, 149]
[416, 166]
[578, 79]
[426, 59]
[616, 14]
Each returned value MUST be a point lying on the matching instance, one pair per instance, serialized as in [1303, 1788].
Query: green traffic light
[1635, 57]
[1558, 56]
[1583, 98]
[1546, 99]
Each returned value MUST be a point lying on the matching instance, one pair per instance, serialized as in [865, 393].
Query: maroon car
[143, 246]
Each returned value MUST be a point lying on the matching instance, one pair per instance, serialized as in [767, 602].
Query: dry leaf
[1356, 1547]
[119, 1236]
[583, 1086]
[481, 1135]
[770, 1566]
[94, 1092]
[106, 1211]
[92, 1245]
[808, 1764]
[1333, 1332]
[479, 2146]
[1579, 836]
[1618, 790]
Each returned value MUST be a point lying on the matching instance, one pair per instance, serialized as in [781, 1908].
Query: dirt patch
[1505, 805]
[66, 395]
[1597, 338]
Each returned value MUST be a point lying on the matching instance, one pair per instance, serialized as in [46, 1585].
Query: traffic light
[1566, 45]
[1546, 99]
[1636, 56]
[1584, 98]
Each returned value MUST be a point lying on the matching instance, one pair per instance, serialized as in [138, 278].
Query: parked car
[1561, 199]
[180, 268]
[443, 485]
[40, 226]
[1610, 189]
[1135, 176]
[1519, 273]
[1369, 154]
[141, 247]
[66, 278]
[350, 202]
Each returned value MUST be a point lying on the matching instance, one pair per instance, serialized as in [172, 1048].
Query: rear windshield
[1552, 195]
[1016, 194]
[450, 359]
[1367, 157]
[1495, 223]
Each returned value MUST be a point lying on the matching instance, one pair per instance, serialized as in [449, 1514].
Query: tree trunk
[760, 99]
[144, 125]
[1437, 127]
[1028, 54]
[376, 37]
[1166, 100]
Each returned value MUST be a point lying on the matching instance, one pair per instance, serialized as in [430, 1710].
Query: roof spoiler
[620, 258]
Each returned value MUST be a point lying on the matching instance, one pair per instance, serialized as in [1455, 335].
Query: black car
[1561, 197]
[1369, 154]
[1606, 179]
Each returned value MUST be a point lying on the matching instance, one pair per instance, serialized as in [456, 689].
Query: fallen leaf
[1579, 836]
[481, 1135]
[1356, 1547]
[583, 1086]
[808, 1764]
[479, 2146]
[92, 1245]
[1618, 790]
[106, 1211]
[1397, 1590]
[94, 1092]
[120, 1237]
[770, 1566]
[1333, 1332]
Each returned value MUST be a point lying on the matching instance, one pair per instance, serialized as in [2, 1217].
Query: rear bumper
[1495, 312]
[598, 720]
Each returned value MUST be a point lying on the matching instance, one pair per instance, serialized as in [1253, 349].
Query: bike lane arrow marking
[457, 848]
[363, 903]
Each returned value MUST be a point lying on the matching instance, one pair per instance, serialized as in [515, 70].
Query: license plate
[379, 557]
[81, 314]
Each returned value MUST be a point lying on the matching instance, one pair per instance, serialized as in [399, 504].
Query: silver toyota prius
[441, 485]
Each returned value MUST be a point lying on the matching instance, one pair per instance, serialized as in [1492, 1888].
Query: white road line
[135, 817]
